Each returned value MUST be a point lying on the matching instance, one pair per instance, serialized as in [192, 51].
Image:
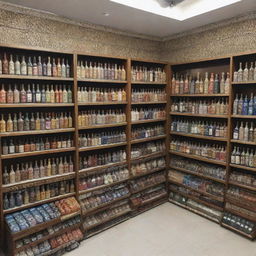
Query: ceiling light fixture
[182, 11]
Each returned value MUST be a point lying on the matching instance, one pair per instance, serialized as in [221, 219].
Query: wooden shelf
[236, 230]
[243, 167]
[152, 199]
[241, 203]
[149, 103]
[149, 121]
[97, 168]
[199, 136]
[148, 139]
[216, 198]
[147, 173]
[198, 174]
[107, 220]
[37, 153]
[244, 116]
[201, 213]
[200, 95]
[102, 81]
[37, 182]
[103, 146]
[156, 154]
[198, 115]
[36, 77]
[102, 126]
[244, 142]
[241, 214]
[242, 185]
[142, 82]
[102, 103]
[25, 206]
[81, 192]
[39, 132]
[198, 200]
[37, 105]
[248, 82]
[198, 158]
[146, 187]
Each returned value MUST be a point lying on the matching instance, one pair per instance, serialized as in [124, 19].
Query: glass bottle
[17, 66]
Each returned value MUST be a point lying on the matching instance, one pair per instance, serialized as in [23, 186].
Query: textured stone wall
[24, 29]
[221, 40]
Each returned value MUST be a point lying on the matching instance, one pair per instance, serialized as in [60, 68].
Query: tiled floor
[167, 230]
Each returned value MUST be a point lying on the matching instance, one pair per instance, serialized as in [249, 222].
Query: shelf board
[198, 158]
[244, 142]
[39, 132]
[198, 174]
[248, 82]
[236, 230]
[147, 173]
[156, 154]
[37, 182]
[37, 153]
[146, 187]
[243, 167]
[241, 214]
[103, 146]
[102, 126]
[97, 168]
[196, 199]
[244, 116]
[102, 81]
[152, 199]
[200, 95]
[149, 121]
[36, 105]
[241, 203]
[148, 139]
[142, 82]
[149, 103]
[216, 198]
[199, 136]
[198, 115]
[200, 213]
[36, 77]
[242, 185]
[102, 103]
[22, 207]
[107, 220]
[81, 192]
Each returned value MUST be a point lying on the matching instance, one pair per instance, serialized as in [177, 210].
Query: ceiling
[132, 20]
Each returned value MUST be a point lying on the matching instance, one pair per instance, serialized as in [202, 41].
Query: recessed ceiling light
[105, 14]
[182, 11]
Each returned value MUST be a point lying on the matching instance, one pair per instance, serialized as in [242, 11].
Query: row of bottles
[243, 178]
[147, 148]
[107, 214]
[98, 70]
[147, 132]
[146, 166]
[36, 94]
[204, 128]
[148, 113]
[38, 193]
[146, 181]
[196, 183]
[37, 169]
[101, 138]
[36, 67]
[246, 74]
[206, 169]
[95, 200]
[244, 132]
[148, 95]
[12, 146]
[212, 107]
[145, 74]
[243, 156]
[109, 176]
[91, 94]
[201, 85]
[244, 196]
[39, 121]
[212, 151]
[244, 105]
[99, 159]
[100, 117]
